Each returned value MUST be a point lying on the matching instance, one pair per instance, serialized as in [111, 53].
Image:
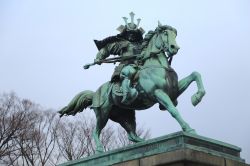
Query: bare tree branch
[33, 136]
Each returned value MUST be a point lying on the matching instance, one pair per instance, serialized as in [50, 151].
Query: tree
[41, 144]
[27, 132]
[13, 123]
[33, 136]
[75, 137]
[72, 143]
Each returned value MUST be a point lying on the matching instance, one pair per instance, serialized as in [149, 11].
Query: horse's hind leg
[165, 100]
[185, 82]
[126, 118]
[102, 115]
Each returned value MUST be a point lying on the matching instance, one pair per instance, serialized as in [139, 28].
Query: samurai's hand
[97, 61]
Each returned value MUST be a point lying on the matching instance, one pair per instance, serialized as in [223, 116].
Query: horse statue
[155, 81]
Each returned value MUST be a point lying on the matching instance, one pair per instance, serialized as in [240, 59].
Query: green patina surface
[168, 143]
[143, 78]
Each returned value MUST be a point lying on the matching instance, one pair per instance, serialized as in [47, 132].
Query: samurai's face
[132, 35]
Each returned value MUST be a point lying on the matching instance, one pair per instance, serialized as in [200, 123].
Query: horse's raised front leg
[165, 100]
[185, 82]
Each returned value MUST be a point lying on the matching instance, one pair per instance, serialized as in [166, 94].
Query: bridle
[163, 48]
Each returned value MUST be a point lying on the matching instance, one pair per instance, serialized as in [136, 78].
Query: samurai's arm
[115, 48]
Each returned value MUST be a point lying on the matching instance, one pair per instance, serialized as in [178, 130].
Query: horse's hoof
[135, 139]
[196, 98]
[99, 151]
[140, 139]
[191, 131]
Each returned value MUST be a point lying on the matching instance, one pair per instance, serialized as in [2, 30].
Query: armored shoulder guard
[102, 43]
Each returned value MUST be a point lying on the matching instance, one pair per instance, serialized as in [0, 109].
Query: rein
[161, 49]
[163, 46]
[156, 66]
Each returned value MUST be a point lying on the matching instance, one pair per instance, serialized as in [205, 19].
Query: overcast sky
[44, 44]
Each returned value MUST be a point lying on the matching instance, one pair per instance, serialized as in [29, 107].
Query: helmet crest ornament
[131, 26]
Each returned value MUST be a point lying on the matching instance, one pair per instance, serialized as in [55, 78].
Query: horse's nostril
[172, 46]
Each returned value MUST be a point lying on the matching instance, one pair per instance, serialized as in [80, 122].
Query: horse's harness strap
[156, 66]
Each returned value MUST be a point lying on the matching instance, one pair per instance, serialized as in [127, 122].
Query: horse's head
[165, 39]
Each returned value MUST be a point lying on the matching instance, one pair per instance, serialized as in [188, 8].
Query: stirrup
[129, 97]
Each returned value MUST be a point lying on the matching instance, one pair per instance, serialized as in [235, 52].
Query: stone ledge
[177, 147]
[185, 157]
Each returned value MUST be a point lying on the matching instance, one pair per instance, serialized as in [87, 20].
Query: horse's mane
[147, 38]
[150, 34]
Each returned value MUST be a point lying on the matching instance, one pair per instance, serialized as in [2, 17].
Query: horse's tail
[78, 103]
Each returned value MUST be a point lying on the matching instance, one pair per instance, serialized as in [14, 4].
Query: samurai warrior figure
[126, 44]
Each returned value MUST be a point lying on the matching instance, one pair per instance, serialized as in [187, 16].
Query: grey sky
[44, 44]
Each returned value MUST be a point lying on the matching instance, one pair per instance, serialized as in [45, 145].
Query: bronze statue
[143, 78]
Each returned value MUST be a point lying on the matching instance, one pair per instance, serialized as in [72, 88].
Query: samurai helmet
[131, 26]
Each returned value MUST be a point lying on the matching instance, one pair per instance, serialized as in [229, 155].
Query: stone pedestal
[177, 149]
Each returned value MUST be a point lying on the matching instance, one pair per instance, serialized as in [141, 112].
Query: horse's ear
[158, 42]
[160, 27]
[159, 24]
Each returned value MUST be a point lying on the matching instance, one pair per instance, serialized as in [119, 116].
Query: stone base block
[177, 149]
